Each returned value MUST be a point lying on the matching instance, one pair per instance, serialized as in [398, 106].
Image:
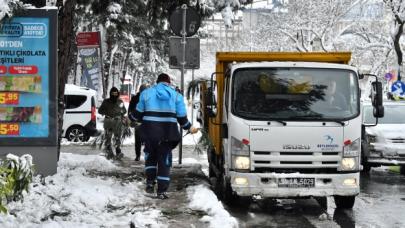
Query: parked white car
[79, 121]
[384, 144]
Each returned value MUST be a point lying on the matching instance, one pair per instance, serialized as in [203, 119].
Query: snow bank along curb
[202, 198]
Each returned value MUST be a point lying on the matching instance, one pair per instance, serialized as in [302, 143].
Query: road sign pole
[192, 99]
[183, 63]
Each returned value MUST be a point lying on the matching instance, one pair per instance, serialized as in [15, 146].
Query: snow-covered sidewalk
[91, 191]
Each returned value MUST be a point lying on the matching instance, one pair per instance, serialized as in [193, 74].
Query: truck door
[225, 114]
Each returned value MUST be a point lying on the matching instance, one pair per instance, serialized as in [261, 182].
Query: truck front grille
[294, 160]
[397, 140]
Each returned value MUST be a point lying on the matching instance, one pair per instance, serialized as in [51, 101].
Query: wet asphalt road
[381, 202]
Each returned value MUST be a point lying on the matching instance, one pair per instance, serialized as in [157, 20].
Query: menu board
[25, 77]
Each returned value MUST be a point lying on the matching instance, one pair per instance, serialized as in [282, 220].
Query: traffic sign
[193, 21]
[192, 58]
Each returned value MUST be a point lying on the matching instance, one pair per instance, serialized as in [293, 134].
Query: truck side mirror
[376, 94]
[210, 103]
[377, 99]
[378, 112]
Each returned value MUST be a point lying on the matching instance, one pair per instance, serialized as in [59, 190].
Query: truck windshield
[295, 94]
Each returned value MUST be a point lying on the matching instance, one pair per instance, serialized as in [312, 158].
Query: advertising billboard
[28, 79]
[89, 51]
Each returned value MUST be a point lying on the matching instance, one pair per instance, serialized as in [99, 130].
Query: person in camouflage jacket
[114, 110]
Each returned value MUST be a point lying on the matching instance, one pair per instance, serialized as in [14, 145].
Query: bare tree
[397, 9]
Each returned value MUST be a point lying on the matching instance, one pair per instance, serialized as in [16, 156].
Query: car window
[74, 101]
[393, 114]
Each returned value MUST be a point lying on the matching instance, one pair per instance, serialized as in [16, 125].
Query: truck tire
[344, 202]
[364, 155]
[402, 169]
[366, 168]
[210, 154]
[227, 195]
[322, 201]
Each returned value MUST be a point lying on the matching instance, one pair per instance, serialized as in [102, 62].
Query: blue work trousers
[158, 160]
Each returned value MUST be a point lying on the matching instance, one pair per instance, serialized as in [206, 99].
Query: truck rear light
[347, 142]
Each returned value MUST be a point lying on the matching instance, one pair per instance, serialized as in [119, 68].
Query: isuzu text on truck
[285, 125]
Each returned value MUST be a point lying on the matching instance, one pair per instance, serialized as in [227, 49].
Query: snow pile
[204, 199]
[74, 197]
[88, 162]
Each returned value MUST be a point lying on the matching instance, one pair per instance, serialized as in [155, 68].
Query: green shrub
[15, 176]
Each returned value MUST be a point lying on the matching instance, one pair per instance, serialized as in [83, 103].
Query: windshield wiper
[262, 115]
[339, 122]
[280, 121]
[319, 119]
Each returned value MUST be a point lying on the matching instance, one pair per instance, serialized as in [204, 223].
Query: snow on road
[78, 197]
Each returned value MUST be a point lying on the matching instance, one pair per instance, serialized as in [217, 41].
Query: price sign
[9, 98]
[9, 129]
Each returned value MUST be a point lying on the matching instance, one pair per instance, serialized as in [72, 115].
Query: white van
[79, 121]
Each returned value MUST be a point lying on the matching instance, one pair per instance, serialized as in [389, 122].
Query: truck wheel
[366, 168]
[402, 169]
[210, 154]
[364, 155]
[227, 195]
[344, 202]
[211, 172]
[322, 201]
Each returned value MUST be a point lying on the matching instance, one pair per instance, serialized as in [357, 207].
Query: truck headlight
[352, 149]
[349, 164]
[241, 162]
[240, 147]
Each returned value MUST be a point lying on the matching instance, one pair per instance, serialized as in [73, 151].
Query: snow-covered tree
[397, 10]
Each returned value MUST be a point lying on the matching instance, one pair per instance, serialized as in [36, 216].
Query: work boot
[162, 196]
[118, 153]
[149, 188]
[108, 152]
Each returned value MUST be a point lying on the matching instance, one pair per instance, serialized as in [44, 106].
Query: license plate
[296, 182]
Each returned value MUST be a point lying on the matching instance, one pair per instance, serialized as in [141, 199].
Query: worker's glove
[193, 130]
[136, 124]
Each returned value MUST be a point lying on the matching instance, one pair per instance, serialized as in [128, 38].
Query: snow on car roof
[74, 89]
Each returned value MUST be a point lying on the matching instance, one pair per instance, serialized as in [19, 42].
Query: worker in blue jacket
[159, 110]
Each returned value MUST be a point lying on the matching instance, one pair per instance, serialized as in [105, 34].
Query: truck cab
[285, 125]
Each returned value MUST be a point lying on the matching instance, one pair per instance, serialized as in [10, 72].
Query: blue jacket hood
[163, 91]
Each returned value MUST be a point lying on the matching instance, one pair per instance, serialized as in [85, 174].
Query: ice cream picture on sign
[30, 84]
[20, 114]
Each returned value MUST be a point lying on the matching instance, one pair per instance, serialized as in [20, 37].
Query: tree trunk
[65, 37]
[397, 45]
